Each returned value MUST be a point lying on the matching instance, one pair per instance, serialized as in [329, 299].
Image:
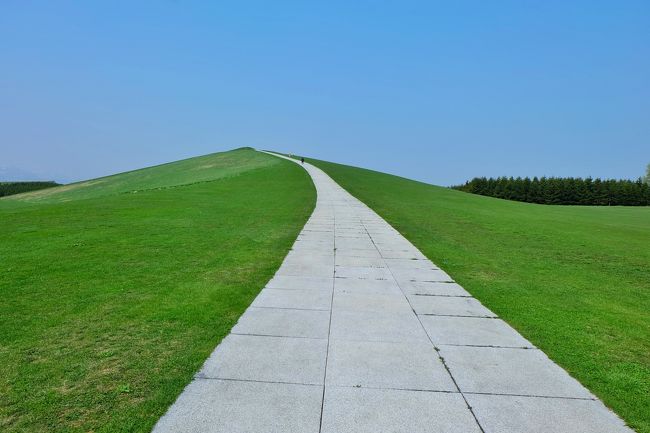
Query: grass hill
[181, 173]
[573, 280]
[115, 290]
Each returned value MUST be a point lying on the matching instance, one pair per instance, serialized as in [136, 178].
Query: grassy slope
[188, 171]
[112, 300]
[573, 280]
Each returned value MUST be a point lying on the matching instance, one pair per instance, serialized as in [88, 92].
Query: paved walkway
[359, 332]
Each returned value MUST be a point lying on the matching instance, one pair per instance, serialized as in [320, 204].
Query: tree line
[10, 188]
[562, 190]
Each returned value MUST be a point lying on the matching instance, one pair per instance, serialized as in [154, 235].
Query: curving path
[359, 332]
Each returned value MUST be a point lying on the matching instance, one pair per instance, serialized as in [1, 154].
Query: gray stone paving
[359, 332]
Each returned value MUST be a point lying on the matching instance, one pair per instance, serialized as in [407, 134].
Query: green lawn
[114, 291]
[573, 280]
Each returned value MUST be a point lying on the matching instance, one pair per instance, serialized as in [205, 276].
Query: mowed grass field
[114, 291]
[573, 280]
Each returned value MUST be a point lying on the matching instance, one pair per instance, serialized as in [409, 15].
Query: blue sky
[436, 91]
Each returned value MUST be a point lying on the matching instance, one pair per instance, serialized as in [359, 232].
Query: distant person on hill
[302, 160]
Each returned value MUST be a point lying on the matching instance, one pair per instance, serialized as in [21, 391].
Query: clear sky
[436, 91]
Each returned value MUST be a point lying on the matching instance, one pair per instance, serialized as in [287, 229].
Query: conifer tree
[567, 191]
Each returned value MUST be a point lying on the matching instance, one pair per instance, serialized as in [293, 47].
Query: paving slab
[449, 306]
[509, 371]
[398, 254]
[375, 302]
[435, 275]
[318, 229]
[225, 406]
[359, 410]
[301, 282]
[366, 273]
[372, 262]
[316, 236]
[268, 359]
[357, 229]
[349, 226]
[409, 264]
[314, 225]
[513, 414]
[322, 269]
[312, 248]
[388, 237]
[392, 365]
[363, 244]
[297, 299]
[295, 257]
[349, 235]
[472, 331]
[367, 326]
[357, 252]
[433, 289]
[393, 244]
[374, 223]
[282, 322]
[355, 285]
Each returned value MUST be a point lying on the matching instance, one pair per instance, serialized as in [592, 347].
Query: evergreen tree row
[10, 188]
[562, 190]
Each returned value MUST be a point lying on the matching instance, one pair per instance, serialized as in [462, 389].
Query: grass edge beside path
[112, 301]
[575, 281]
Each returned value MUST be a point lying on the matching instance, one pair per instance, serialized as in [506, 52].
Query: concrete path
[359, 332]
